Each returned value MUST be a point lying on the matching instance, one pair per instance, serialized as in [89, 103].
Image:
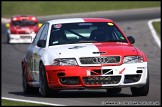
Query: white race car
[22, 29]
[81, 53]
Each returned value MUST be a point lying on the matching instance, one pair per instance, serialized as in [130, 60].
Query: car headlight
[133, 59]
[65, 62]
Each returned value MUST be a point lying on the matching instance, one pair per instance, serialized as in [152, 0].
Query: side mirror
[39, 25]
[131, 39]
[41, 43]
[7, 25]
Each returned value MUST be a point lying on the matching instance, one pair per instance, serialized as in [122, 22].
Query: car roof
[74, 20]
[20, 17]
[24, 16]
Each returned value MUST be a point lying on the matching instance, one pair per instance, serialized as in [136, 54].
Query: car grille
[100, 60]
[132, 78]
[98, 80]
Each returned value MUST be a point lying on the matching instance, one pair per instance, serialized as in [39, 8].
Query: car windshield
[24, 23]
[85, 33]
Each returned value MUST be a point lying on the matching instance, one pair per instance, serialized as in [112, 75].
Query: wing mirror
[131, 39]
[41, 43]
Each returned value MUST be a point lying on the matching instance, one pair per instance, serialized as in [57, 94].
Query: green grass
[41, 8]
[157, 27]
[17, 103]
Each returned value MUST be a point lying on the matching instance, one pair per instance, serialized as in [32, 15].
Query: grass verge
[157, 27]
[41, 8]
[17, 103]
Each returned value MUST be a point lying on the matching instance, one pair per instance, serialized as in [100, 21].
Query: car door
[37, 53]
[30, 54]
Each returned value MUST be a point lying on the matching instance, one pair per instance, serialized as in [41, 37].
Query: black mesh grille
[95, 80]
[132, 78]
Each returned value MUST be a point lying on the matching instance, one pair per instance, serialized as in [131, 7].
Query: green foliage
[17, 103]
[157, 27]
[41, 8]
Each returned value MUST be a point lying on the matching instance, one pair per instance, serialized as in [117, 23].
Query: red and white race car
[82, 53]
[22, 29]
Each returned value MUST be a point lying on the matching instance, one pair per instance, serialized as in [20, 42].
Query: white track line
[154, 34]
[28, 101]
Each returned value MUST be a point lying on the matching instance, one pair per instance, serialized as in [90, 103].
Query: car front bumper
[21, 38]
[76, 77]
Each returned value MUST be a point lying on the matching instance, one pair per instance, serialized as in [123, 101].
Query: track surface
[132, 22]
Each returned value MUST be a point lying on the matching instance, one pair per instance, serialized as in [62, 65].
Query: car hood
[92, 50]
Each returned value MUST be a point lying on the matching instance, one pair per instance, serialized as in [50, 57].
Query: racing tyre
[113, 90]
[44, 89]
[8, 38]
[141, 91]
[27, 89]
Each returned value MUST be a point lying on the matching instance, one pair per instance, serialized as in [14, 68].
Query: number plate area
[99, 80]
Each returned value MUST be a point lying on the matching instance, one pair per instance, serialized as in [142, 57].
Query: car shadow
[74, 94]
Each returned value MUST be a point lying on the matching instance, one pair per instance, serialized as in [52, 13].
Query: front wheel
[44, 89]
[141, 91]
[8, 38]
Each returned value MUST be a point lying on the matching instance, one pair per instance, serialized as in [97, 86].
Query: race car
[84, 53]
[22, 29]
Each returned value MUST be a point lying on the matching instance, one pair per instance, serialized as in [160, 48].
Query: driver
[58, 37]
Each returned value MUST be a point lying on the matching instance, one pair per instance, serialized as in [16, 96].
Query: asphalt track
[133, 22]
